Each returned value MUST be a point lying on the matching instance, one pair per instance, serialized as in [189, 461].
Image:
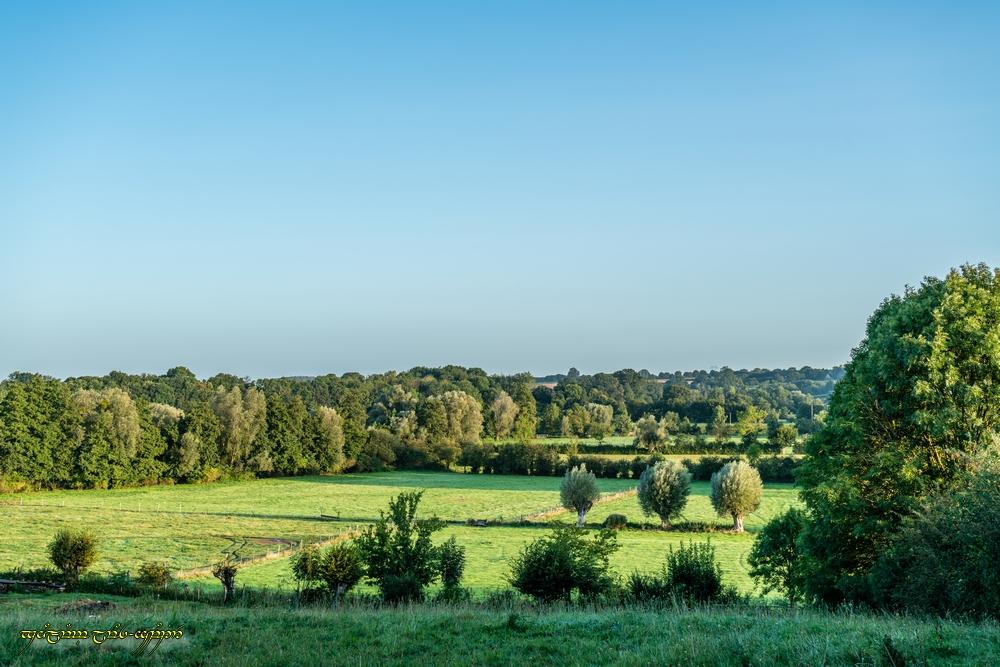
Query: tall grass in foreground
[503, 632]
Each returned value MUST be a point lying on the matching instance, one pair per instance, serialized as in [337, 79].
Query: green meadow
[490, 635]
[193, 526]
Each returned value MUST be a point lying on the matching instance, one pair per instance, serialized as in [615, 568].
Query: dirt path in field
[556, 511]
[196, 572]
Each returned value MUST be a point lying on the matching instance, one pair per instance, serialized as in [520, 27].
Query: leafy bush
[306, 565]
[155, 574]
[397, 551]
[72, 552]
[552, 567]
[452, 559]
[946, 558]
[663, 490]
[578, 492]
[341, 567]
[616, 521]
[736, 491]
[338, 569]
[775, 560]
[690, 575]
[647, 587]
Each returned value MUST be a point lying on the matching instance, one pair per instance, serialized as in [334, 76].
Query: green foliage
[338, 569]
[750, 425]
[650, 434]
[919, 400]
[599, 421]
[72, 552]
[736, 490]
[616, 521]
[397, 551]
[452, 560]
[503, 412]
[552, 567]
[945, 559]
[663, 490]
[578, 491]
[155, 574]
[454, 417]
[784, 436]
[775, 561]
[327, 451]
[690, 574]
[124, 430]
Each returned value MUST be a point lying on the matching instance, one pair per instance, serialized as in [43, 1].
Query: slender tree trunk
[664, 524]
[580, 516]
[738, 523]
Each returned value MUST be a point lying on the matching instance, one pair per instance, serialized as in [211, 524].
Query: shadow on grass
[421, 479]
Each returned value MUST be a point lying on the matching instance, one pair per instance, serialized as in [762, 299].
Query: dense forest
[123, 430]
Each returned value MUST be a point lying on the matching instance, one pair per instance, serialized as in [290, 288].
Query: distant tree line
[124, 430]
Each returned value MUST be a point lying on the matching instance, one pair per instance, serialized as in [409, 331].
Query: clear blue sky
[298, 188]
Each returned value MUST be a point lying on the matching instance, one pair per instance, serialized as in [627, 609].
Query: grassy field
[191, 526]
[489, 550]
[474, 635]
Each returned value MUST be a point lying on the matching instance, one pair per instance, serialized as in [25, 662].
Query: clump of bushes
[736, 491]
[72, 552]
[397, 551]
[616, 521]
[775, 559]
[544, 460]
[451, 557]
[337, 570]
[945, 559]
[578, 492]
[663, 490]
[554, 566]
[690, 574]
[155, 574]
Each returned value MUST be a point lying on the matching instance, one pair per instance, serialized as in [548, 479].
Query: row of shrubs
[542, 460]
[684, 443]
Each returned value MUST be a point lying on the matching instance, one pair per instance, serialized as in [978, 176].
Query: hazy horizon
[205, 376]
[287, 191]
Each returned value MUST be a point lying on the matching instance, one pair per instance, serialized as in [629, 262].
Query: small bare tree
[225, 572]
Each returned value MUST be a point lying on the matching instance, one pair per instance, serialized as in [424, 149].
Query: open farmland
[192, 526]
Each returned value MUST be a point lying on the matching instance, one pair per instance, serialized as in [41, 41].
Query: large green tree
[919, 401]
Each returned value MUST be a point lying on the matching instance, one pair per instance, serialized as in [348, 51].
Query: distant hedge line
[543, 460]
[690, 445]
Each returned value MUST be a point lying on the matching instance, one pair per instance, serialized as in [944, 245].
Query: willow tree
[578, 491]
